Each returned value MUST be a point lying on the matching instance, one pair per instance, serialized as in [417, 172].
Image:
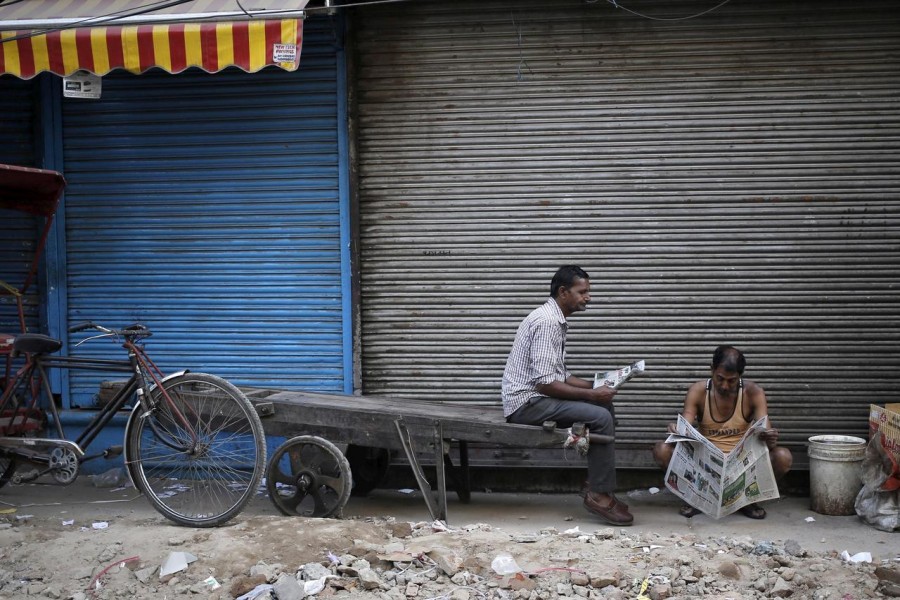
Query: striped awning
[130, 38]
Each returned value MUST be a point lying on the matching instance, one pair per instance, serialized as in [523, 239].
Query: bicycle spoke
[199, 454]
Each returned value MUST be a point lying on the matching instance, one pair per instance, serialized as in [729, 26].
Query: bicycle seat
[6, 343]
[36, 343]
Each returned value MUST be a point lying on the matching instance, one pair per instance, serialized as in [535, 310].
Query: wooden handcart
[295, 471]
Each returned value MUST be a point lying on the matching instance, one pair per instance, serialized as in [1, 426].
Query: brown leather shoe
[610, 511]
[586, 487]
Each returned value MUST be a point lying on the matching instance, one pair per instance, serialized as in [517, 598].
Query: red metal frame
[36, 192]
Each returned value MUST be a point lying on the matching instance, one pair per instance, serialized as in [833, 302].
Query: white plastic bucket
[834, 473]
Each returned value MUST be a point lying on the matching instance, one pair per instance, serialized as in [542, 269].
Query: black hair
[729, 358]
[565, 277]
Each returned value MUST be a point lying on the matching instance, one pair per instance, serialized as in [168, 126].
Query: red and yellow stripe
[212, 47]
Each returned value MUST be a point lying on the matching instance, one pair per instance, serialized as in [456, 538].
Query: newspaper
[715, 482]
[614, 379]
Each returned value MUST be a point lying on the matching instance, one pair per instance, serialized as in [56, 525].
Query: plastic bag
[875, 506]
[504, 564]
[109, 479]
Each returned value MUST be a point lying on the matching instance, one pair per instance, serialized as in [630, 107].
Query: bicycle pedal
[113, 452]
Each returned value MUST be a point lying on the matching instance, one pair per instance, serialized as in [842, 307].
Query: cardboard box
[885, 421]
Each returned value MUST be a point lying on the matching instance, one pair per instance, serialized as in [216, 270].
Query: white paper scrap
[859, 557]
[176, 561]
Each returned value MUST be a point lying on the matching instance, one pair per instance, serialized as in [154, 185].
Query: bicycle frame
[138, 364]
[195, 428]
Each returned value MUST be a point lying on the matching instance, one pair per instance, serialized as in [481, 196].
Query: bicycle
[193, 443]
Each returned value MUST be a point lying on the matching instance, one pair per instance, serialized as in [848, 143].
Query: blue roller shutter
[208, 207]
[18, 231]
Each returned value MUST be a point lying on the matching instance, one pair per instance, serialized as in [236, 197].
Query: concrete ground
[788, 517]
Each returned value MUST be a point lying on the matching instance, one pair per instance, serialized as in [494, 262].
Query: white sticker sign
[284, 53]
[82, 85]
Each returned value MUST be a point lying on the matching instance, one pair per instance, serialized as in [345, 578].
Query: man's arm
[578, 389]
[759, 408]
[693, 404]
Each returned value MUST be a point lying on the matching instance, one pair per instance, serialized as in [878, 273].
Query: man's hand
[672, 428]
[602, 395]
[770, 437]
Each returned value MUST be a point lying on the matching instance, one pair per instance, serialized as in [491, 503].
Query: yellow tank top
[727, 434]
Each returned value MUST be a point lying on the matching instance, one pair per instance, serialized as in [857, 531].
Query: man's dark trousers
[598, 419]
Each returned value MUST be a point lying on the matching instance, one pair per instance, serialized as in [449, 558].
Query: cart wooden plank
[370, 420]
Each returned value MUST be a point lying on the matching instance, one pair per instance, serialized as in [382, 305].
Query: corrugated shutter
[732, 178]
[19, 231]
[207, 207]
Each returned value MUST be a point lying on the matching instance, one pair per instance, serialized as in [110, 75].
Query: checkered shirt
[538, 356]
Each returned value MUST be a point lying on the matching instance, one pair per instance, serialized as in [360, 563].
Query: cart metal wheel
[309, 477]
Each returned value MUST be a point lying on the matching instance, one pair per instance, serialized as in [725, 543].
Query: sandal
[753, 511]
[687, 511]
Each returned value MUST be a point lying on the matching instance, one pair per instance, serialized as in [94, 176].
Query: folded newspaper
[715, 482]
[616, 378]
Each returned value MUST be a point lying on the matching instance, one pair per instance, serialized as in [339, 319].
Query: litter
[859, 557]
[176, 561]
[504, 564]
[439, 525]
[100, 525]
[211, 583]
[314, 586]
[647, 549]
[109, 479]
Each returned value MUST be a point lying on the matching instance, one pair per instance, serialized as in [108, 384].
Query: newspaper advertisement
[717, 483]
[614, 379]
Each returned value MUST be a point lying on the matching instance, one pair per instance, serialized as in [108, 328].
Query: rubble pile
[428, 561]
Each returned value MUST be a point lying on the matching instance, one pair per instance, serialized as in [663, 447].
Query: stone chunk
[730, 570]
[369, 579]
[448, 560]
[401, 529]
[891, 574]
[242, 585]
[781, 589]
[793, 548]
[600, 580]
[288, 588]
[267, 570]
[660, 591]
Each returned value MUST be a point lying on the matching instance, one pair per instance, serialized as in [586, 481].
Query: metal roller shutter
[208, 207]
[20, 232]
[732, 178]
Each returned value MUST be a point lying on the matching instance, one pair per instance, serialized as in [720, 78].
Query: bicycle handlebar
[81, 327]
[133, 330]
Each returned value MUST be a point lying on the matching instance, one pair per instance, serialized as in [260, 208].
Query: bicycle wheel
[200, 457]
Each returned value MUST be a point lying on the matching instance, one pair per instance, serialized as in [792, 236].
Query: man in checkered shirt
[537, 387]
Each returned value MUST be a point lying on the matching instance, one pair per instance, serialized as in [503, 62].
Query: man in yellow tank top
[722, 408]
